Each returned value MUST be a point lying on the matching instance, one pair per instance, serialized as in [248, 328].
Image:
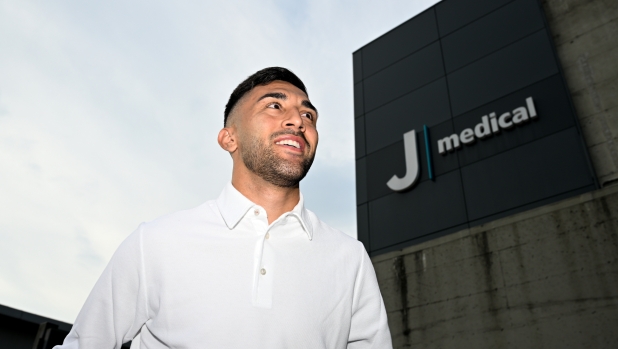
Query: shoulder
[325, 234]
[199, 217]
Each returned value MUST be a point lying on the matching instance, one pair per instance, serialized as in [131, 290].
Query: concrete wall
[586, 36]
[546, 278]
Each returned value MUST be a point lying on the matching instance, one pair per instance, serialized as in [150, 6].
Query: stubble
[262, 160]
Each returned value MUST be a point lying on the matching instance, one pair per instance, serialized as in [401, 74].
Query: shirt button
[263, 271]
[256, 212]
[267, 236]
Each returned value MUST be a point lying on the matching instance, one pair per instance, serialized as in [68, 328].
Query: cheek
[262, 129]
[313, 137]
[252, 134]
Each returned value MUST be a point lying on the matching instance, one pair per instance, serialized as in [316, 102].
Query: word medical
[488, 126]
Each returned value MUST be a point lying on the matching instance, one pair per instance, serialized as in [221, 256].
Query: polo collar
[233, 206]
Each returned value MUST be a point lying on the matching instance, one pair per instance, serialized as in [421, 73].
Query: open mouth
[290, 143]
[295, 143]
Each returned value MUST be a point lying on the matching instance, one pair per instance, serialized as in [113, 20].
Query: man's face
[277, 135]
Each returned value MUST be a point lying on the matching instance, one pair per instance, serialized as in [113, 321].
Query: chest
[287, 283]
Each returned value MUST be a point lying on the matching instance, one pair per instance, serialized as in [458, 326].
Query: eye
[308, 115]
[274, 105]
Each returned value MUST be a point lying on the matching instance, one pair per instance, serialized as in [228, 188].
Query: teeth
[289, 142]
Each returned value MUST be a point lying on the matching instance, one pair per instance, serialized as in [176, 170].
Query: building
[486, 168]
[23, 330]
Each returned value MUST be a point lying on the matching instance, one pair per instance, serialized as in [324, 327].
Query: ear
[227, 139]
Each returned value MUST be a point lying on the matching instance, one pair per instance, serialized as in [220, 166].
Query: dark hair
[262, 77]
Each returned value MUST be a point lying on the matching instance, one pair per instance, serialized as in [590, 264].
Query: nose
[294, 120]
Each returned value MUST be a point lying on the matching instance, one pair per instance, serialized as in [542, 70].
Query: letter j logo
[409, 145]
[412, 162]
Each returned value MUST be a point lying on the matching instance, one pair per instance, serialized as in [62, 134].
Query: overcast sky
[109, 112]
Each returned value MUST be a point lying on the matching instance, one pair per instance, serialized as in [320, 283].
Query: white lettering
[494, 123]
[520, 115]
[502, 121]
[531, 108]
[466, 136]
[409, 147]
[482, 130]
[448, 144]
[489, 125]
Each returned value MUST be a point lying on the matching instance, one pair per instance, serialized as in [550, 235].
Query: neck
[275, 200]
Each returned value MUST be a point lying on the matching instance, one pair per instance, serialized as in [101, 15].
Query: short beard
[262, 160]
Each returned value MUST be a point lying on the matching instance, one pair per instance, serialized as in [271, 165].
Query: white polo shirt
[219, 276]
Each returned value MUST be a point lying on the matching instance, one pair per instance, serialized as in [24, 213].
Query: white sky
[109, 112]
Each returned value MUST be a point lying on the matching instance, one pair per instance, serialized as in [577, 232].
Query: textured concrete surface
[546, 278]
[586, 36]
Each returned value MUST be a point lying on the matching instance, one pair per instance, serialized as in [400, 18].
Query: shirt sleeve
[116, 308]
[369, 326]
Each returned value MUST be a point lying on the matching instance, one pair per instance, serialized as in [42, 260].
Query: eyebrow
[278, 95]
[308, 104]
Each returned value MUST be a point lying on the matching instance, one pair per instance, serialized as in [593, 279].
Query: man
[251, 269]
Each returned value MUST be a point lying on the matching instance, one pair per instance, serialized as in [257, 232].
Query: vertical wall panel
[508, 70]
[492, 32]
[359, 137]
[357, 62]
[431, 206]
[362, 223]
[404, 76]
[358, 100]
[400, 42]
[361, 181]
[526, 174]
[427, 105]
[453, 15]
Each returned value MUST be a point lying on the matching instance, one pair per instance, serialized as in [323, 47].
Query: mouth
[291, 142]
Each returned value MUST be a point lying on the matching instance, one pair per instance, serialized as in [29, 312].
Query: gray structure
[458, 74]
[23, 330]
[521, 271]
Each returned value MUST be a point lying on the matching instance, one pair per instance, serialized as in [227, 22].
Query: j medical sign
[462, 116]
[490, 125]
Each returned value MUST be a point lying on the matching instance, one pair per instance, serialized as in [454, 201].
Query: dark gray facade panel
[357, 63]
[20, 329]
[430, 207]
[359, 137]
[361, 181]
[17, 333]
[532, 172]
[404, 76]
[381, 166]
[497, 54]
[552, 107]
[362, 224]
[453, 15]
[440, 164]
[428, 105]
[491, 32]
[507, 70]
[358, 99]
[400, 42]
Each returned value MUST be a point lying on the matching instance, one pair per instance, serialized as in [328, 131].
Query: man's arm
[369, 328]
[117, 306]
